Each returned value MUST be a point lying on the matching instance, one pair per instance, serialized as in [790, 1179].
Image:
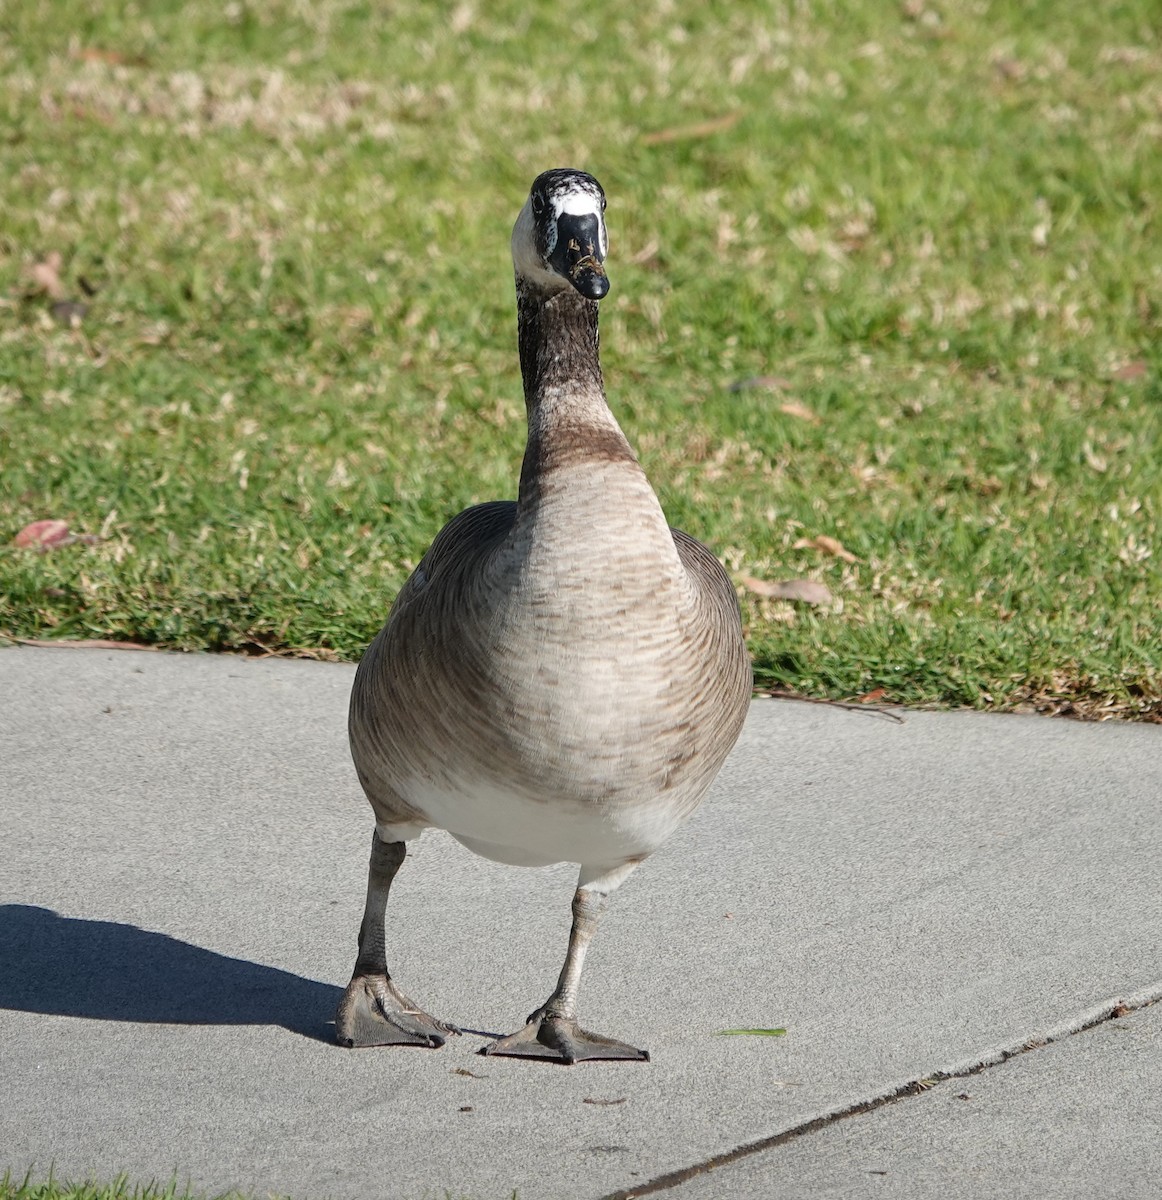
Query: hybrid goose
[562, 677]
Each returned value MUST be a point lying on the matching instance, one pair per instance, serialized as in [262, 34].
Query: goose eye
[538, 204]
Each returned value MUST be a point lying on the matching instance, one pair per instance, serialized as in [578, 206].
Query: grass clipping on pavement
[885, 326]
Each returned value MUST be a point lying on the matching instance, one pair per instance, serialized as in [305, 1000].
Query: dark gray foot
[562, 1040]
[374, 1012]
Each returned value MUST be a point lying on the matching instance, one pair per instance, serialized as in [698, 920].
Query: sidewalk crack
[1107, 1011]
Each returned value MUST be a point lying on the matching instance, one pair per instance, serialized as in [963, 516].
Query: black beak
[577, 255]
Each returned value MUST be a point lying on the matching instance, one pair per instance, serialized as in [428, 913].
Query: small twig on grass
[700, 129]
[870, 710]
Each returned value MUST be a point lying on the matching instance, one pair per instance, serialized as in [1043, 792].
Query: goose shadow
[69, 966]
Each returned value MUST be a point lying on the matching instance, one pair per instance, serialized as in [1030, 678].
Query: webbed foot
[374, 1012]
[562, 1040]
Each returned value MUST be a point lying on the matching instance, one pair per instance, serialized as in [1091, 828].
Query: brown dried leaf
[805, 591]
[794, 409]
[827, 545]
[46, 276]
[43, 534]
[113, 58]
[1010, 68]
[760, 587]
[647, 255]
[700, 129]
[989, 486]
[1095, 460]
[1131, 370]
[872, 696]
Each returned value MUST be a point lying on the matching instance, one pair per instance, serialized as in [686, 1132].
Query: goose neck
[558, 343]
[570, 424]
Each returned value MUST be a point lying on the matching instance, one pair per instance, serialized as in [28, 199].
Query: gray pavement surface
[183, 852]
[1081, 1118]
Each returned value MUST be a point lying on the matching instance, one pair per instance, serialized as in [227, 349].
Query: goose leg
[373, 1011]
[552, 1031]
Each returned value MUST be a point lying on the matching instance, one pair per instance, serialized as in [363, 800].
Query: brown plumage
[562, 677]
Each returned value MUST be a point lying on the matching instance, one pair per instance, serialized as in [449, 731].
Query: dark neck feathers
[557, 338]
[569, 420]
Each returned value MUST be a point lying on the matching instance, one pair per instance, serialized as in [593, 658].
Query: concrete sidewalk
[183, 850]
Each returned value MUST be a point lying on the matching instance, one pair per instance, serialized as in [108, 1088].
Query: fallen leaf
[854, 235]
[678, 133]
[760, 381]
[794, 409]
[647, 254]
[470, 1074]
[1095, 460]
[806, 591]
[828, 545]
[872, 696]
[43, 534]
[751, 1032]
[593, 1100]
[1131, 370]
[46, 276]
[113, 58]
[1010, 68]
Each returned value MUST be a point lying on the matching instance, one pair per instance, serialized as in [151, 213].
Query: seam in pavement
[1087, 1019]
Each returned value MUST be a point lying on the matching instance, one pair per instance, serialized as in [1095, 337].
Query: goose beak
[578, 254]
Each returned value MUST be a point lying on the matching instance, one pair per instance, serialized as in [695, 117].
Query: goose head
[559, 239]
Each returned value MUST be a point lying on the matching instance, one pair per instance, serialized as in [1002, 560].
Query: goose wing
[722, 651]
[466, 536]
[710, 580]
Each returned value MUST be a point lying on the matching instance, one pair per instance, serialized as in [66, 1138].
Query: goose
[563, 675]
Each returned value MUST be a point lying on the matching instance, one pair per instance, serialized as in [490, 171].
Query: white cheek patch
[524, 252]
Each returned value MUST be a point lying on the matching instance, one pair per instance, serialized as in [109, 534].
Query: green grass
[937, 225]
[121, 1189]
